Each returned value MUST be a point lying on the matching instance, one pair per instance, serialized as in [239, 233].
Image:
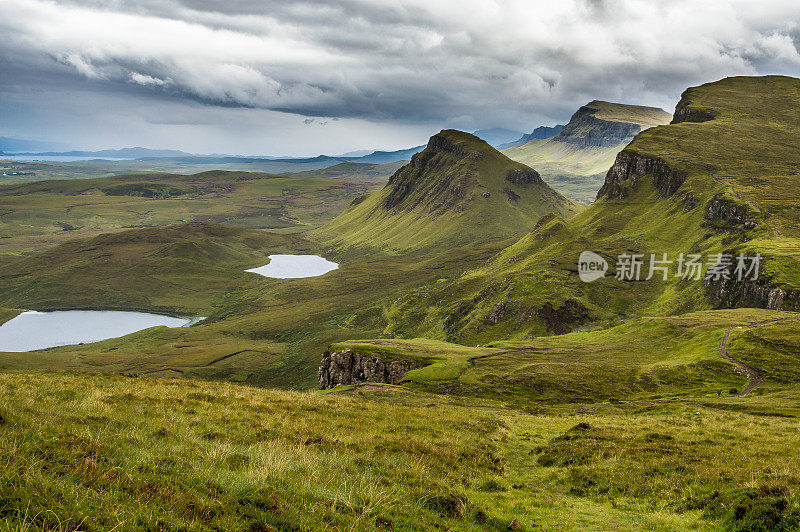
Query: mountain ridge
[458, 175]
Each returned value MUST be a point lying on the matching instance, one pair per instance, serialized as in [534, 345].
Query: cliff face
[630, 166]
[684, 113]
[731, 293]
[585, 130]
[732, 213]
[344, 367]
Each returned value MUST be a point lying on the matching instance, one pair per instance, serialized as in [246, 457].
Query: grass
[621, 363]
[184, 269]
[259, 331]
[92, 452]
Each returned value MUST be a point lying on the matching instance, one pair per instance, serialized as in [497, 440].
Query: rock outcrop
[685, 113]
[346, 366]
[730, 212]
[603, 124]
[523, 177]
[732, 293]
[630, 166]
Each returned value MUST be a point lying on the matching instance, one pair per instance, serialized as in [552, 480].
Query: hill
[457, 191]
[574, 160]
[724, 185]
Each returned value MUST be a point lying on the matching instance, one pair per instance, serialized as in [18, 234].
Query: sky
[302, 78]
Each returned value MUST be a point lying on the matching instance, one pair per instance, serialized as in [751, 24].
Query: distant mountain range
[123, 153]
[540, 133]
[375, 157]
[497, 136]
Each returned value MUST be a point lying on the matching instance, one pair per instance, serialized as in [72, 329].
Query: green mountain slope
[723, 185]
[574, 161]
[458, 191]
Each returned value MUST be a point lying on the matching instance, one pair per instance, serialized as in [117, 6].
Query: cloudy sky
[319, 76]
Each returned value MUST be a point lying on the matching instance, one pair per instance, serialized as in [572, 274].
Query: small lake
[295, 266]
[34, 330]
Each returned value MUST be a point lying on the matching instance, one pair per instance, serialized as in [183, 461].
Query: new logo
[591, 266]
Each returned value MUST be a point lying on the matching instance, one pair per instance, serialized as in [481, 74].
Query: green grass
[95, 452]
[185, 269]
[641, 359]
[259, 330]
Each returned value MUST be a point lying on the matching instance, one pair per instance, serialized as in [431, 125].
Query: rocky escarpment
[585, 130]
[346, 366]
[761, 293]
[523, 177]
[557, 320]
[730, 213]
[630, 166]
[685, 113]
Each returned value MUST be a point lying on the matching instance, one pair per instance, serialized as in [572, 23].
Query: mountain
[575, 160]
[540, 133]
[355, 153]
[720, 179]
[123, 153]
[497, 136]
[382, 157]
[10, 145]
[458, 190]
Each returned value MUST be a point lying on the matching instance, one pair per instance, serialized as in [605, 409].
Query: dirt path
[756, 376]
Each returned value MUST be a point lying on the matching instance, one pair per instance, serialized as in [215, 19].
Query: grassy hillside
[95, 452]
[723, 185]
[618, 363]
[458, 191]
[575, 161]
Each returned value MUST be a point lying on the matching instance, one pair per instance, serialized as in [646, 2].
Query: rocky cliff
[346, 366]
[630, 166]
[685, 113]
[604, 124]
[732, 293]
[585, 130]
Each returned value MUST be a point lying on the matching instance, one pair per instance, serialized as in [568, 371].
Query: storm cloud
[399, 65]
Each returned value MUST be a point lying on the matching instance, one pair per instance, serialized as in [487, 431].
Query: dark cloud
[467, 63]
